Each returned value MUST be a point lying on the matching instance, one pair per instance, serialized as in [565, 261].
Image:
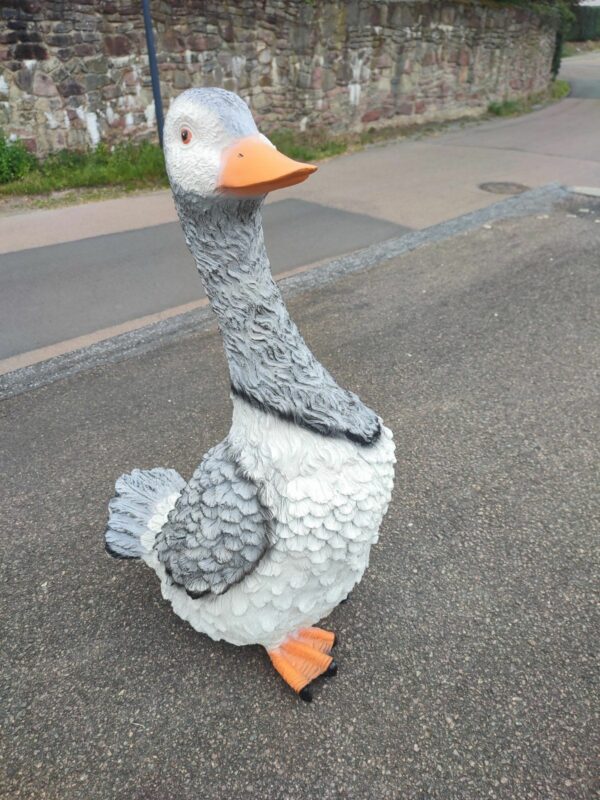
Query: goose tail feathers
[139, 509]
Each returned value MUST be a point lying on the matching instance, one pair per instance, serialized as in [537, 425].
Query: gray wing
[218, 531]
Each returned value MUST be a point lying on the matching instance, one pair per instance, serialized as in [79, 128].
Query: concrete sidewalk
[467, 653]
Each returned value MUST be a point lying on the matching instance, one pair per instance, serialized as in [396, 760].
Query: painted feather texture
[139, 509]
[218, 531]
[269, 363]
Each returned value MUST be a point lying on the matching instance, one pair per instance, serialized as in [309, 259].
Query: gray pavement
[467, 653]
[583, 73]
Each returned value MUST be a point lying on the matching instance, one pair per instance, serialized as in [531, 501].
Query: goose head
[213, 149]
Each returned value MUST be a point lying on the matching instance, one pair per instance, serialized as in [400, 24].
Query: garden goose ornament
[275, 526]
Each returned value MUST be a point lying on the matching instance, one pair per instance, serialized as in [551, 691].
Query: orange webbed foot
[303, 657]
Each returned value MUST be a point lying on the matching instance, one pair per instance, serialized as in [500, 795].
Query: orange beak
[253, 167]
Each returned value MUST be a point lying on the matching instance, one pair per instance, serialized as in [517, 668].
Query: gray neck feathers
[270, 365]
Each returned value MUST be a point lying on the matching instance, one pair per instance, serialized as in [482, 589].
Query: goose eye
[186, 135]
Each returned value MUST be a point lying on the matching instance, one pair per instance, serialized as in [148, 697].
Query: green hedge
[586, 25]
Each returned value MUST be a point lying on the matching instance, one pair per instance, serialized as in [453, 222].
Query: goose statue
[275, 526]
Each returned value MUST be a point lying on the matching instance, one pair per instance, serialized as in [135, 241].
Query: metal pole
[158, 109]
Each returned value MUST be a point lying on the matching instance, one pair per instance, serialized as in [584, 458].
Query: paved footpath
[467, 655]
[70, 277]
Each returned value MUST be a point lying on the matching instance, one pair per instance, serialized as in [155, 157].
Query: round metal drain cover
[503, 187]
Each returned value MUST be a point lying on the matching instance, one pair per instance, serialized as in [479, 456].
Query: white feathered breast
[327, 497]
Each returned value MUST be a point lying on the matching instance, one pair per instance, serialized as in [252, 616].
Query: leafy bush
[557, 55]
[507, 108]
[124, 164]
[15, 160]
[128, 165]
[561, 11]
[586, 25]
[308, 146]
[559, 89]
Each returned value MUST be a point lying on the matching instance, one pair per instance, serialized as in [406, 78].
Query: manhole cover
[501, 187]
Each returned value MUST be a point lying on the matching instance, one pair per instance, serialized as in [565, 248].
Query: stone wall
[73, 73]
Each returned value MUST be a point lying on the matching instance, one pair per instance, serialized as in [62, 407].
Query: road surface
[467, 654]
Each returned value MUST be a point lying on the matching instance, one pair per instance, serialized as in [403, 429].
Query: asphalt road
[49, 294]
[467, 654]
[583, 73]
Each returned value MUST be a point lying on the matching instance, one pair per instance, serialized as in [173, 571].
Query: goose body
[326, 500]
[275, 527]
